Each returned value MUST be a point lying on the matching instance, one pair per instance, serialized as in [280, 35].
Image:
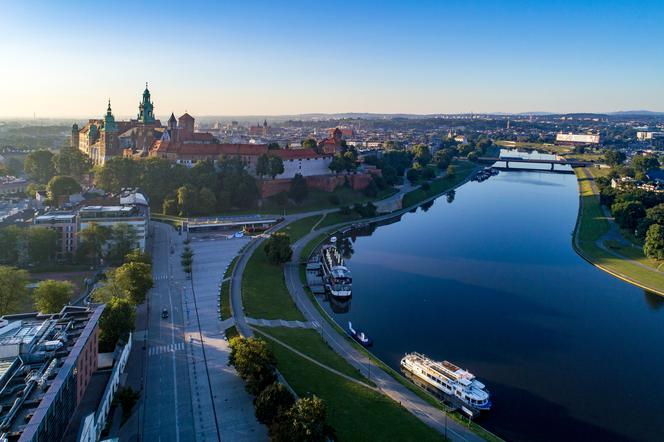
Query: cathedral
[102, 139]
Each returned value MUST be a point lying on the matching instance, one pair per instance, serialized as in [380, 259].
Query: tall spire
[146, 108]
[109, 119]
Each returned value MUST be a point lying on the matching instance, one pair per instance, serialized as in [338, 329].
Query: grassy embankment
[440, 185]
[264, 292]
[593, 225]
[306, 251]
[354, 411]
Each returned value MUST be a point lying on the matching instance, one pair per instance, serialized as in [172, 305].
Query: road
[167, 402]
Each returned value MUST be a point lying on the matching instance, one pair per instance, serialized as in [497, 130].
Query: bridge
[552, 162]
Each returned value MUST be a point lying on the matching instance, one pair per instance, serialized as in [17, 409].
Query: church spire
[146, 108]
[109, 119]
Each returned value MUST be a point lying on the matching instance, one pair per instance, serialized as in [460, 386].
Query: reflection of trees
[426, 206]
[450, 196]
[654, 301]
[345, 247]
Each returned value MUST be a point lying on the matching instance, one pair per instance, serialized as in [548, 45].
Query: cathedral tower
[146, 108]
[74, 136]
[109, 137]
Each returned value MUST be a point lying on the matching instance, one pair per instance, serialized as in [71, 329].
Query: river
[490, 282]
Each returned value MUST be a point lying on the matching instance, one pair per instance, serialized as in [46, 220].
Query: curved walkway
[388, 385]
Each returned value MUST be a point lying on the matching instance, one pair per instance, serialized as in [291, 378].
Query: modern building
[46, 363]
[10, 185]
[645, 135]
[575, 139]
[102, 139]
[65, 225]
[134, 215]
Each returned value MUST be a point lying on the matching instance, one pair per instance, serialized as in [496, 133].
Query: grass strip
[264, 292]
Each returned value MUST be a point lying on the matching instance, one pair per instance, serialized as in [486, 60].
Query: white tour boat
[337, 277]
[449, 379]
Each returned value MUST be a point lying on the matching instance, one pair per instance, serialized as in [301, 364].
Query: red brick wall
[87, 364]
[326, 183]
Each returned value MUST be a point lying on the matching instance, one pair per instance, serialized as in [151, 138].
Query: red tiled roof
[209, 149]
[200, 136]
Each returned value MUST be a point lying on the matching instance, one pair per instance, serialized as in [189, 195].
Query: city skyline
[423, 58]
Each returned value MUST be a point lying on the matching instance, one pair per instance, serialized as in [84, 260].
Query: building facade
[46, 362]
[103, 139]
[65, 225]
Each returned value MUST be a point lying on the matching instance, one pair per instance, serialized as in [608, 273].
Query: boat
[448, 379]
[360, 336]
[336, 276]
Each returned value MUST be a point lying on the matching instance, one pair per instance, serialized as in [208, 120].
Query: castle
[102, 139]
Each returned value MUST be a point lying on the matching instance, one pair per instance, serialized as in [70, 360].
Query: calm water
[490, 282]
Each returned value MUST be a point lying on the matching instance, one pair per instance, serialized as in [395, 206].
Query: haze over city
[268, 58]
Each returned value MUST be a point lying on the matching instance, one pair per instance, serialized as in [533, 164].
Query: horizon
[66, 61]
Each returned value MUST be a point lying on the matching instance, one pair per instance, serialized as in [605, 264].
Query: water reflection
[653, 300]
[450, 196]
[426, 206]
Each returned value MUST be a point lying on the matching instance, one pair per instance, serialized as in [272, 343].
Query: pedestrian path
[281, 323]
[161, 349]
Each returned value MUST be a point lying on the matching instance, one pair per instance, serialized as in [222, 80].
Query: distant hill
[637, 112]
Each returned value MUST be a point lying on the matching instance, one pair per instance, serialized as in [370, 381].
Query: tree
[278, 248]
[13, 289]
[304, 422]
[451, 170]
[443, 158]
[127, 397]
[60, 187]
[39, 166]
[654, 244]
[614, 157]
[170, 206]
[642, 164]
[253, 361]
[51, 295]
[238, 187]
[413, 175]
[119, 172]
[206, 202]
[93, 239]
[116, 322]
[42, 244]
[275, 167]
[160, 178]
[422, 154]
[263, 165]
[72, 162]
[309, 143]
[135, 279]
[393, 145]
[136, 256]
[123, 239]
[428, 173]
[273, 146]
[186, 199]
[273, 402]
[628, 213]
[299, 189]
[10, 238]
[337, 164]
[472, 156]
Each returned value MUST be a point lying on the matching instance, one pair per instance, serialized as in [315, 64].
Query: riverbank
[591, 240]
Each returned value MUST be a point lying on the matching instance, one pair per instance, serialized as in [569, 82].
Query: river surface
[490, 282]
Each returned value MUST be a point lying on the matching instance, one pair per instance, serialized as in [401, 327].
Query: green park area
[264, 292]
[623, 259]
[462, 169]
[356, 412]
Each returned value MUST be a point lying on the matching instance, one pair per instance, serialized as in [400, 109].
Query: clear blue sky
[255, 57]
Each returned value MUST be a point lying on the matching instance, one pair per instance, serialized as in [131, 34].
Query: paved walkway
[231, 405]
[426, 412]
[280, 323]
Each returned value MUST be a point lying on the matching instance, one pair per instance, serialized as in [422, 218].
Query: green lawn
[592, 225]
[309, 247]
[301, 227]
[318, 200]
[264, 291]
[355, 412]
[225, 292]
[311, 344]
[440, 185]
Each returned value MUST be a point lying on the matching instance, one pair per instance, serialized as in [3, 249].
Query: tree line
[287, 418]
